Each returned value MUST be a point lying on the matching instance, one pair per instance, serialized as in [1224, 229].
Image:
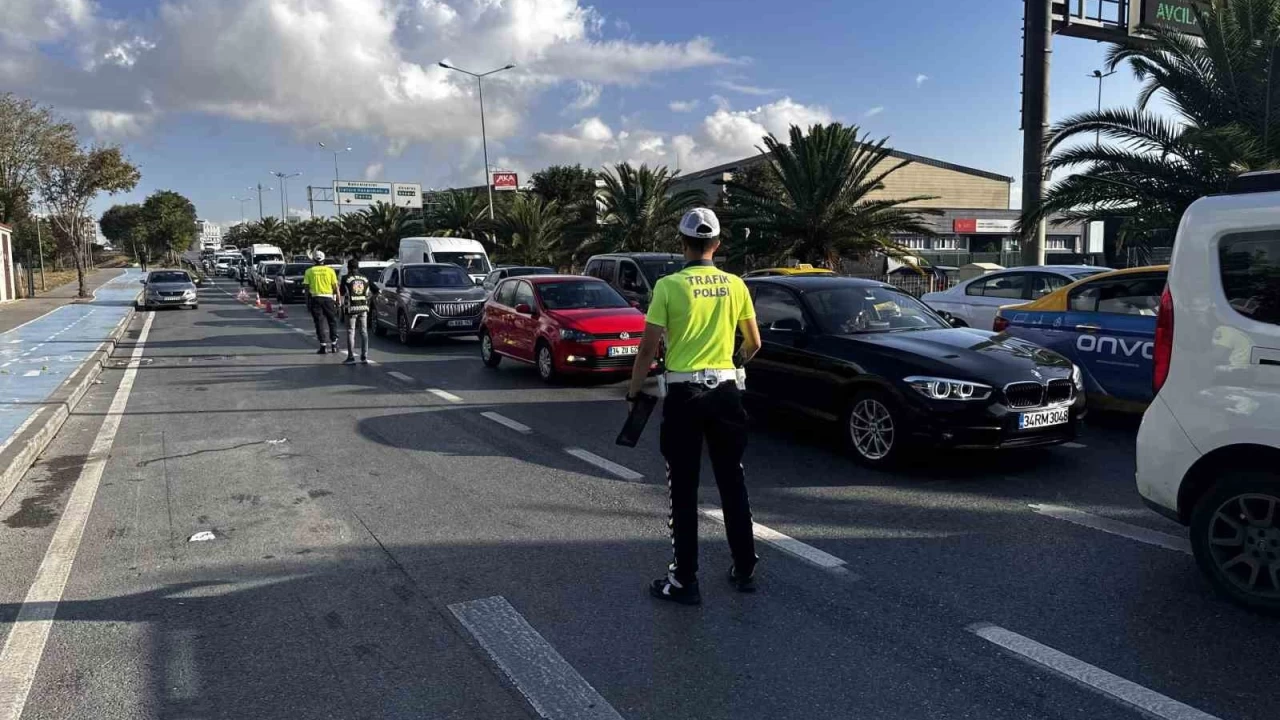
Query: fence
[914, 283]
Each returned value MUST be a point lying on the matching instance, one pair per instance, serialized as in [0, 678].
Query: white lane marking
[400, 376]
[550, 684]
[444, 395]
[1115, 527]
[785, 543]
[31, 373]
[508, 422]
[606, 465]
[300, 330]
[1112, 685]
[25, 645]
[1074, 445]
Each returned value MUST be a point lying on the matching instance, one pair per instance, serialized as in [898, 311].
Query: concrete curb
[30, 441]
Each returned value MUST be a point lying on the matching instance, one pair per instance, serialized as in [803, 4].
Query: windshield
[659, 268]
[169, 277]
[579, 295]
[1087, 273]
[266, 258]
[517, 272]
[473, 262]
[434, 276]
[870, 309]
[271, 270]
[371, 273]
[296, 268]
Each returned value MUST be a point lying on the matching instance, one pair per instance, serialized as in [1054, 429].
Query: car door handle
[1088, 328]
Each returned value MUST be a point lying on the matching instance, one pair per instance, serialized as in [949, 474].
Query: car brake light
[1163, 350]
[1001, 324]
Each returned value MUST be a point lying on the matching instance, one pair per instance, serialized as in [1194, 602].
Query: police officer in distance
[699, 309]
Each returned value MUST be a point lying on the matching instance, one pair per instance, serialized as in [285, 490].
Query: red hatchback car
[563, 324]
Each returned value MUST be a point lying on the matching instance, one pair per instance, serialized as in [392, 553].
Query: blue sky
[209, 96]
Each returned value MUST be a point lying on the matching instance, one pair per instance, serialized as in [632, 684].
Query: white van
[1209, 447]
[466, 254]
[255, 254]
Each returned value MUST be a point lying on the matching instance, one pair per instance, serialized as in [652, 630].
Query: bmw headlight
[936, 388]
[572, 335]
[1077, 378]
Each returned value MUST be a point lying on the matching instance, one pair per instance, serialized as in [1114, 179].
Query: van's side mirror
[143, 281]
[479, 282]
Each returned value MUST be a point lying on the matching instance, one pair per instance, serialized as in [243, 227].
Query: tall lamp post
[242, 201]
[335, 172]
[259, 188]
[1099, 76]
[484, 142]
[284, 193]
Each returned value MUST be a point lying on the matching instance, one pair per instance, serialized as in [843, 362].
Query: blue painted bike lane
[37, 357]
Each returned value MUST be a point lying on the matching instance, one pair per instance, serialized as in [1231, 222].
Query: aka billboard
[505, 181]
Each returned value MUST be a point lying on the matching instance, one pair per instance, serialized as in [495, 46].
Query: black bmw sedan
[896, 375]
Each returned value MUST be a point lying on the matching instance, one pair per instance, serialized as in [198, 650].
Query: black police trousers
[690, 413]
[324, 311]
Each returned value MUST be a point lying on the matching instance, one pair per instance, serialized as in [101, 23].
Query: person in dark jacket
[355, 294]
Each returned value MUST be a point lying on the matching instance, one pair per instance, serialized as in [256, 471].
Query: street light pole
[284, 193]
[242, 201]
[335, 173]
[1099, 76]
[484, 142]
[259, 188]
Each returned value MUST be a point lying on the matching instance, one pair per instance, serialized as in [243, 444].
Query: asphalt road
[363, 518]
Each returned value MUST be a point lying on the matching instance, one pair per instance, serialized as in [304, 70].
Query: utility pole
[1099, 76]
[488, 181]
[40, 250]
[259, 188]
[335, 178]
[284, 193]
[1037, 45]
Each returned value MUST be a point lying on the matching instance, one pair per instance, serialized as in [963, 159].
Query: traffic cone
[280, 313]
[269, 307]
[257, 300]
[242, 296]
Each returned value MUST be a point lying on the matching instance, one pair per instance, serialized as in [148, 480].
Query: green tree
[31, 138]
[818, 201]
[1149, 168]
[458, 213]
[641, 210]
[383, 227]
[530, 232]
[123, 226]
[71, 181]
[169, 223]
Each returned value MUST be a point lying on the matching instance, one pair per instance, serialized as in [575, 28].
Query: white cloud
[873, 111]
[921, 79]
[326, 66]
[723, 136]
[111, 125]
[683, 106]
[588, 96]
[745, 89]
[373, 171]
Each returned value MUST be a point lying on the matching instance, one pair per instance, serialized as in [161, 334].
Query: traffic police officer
[698, 309]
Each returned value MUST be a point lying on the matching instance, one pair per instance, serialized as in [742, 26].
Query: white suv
[1209, 447]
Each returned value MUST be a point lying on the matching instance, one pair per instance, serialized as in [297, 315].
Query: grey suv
[422, 299]
[634, 274]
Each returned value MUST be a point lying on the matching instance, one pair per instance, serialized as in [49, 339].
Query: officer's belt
[707, 378]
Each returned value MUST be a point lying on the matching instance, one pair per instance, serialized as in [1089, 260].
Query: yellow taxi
[801, 269]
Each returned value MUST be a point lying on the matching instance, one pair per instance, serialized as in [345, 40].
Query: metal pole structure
[484, 141]
[1038, 43]
[40, 250]
[284, 192]
[335, 174]
[1099, 76]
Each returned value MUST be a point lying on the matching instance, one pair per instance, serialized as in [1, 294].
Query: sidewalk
[17, 312]
[37, 354]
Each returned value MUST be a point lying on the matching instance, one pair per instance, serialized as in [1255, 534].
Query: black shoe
[742, 584]
[349, 361]
[333, 348]
[364, 360]
[322, 351]
[667, 588]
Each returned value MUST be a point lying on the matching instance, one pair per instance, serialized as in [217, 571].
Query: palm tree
[640, 210]
[383, 226]
[268, 230]
[1227, 121]
[531, 232]
[815, 198]
[458, 213]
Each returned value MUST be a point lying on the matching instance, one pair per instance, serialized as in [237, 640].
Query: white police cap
[700, 223]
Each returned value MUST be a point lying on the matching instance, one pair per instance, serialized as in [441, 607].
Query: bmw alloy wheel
[871, 429]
